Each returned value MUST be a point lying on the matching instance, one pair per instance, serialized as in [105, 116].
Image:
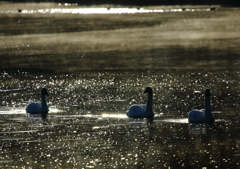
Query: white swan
[39, 107]
[142, 111]
[204, 115]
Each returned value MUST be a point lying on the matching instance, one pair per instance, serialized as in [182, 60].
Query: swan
[204, 115]
[142, 111]
[39, 107]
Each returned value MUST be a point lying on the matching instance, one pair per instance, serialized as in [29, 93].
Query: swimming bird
[39, 107]
[142, 111]
[204, 115]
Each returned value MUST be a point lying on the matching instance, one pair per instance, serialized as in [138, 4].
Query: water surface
[95, 71]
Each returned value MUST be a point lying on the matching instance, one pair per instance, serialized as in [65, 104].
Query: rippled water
[92, 84]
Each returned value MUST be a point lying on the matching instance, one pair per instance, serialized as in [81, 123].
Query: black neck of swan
[149, 111]
[149, 102]
[208, 113]
[43, 99]
[44, 103]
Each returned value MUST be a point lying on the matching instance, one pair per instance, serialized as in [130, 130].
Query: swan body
[142, 111]
[204, 115]
[39, 107]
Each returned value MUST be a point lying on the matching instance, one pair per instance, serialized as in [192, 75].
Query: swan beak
[46, 93]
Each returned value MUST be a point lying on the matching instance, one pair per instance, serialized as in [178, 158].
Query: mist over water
[96, 66]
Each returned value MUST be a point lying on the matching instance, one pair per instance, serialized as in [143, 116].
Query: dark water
[94, 76]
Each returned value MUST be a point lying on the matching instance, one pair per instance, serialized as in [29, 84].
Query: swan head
[207, 92]
[148, 90]
[44, 91]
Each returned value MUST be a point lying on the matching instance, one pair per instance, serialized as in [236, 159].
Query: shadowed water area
[95, 66]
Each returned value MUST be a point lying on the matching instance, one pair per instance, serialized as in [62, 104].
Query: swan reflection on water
[194, 128]
[35, 119]
[203, 128]
[140, 122]
[200, 128]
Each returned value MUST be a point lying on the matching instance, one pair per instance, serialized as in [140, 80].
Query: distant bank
[140, 2]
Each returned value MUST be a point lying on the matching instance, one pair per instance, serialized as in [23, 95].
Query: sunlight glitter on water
[92, 10]
[106, 10]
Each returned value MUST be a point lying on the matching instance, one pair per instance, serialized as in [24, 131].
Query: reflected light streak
[114, 116]
[183, 120]
[109, 10]
[54, 110]
[13, 111]
[94, 116]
